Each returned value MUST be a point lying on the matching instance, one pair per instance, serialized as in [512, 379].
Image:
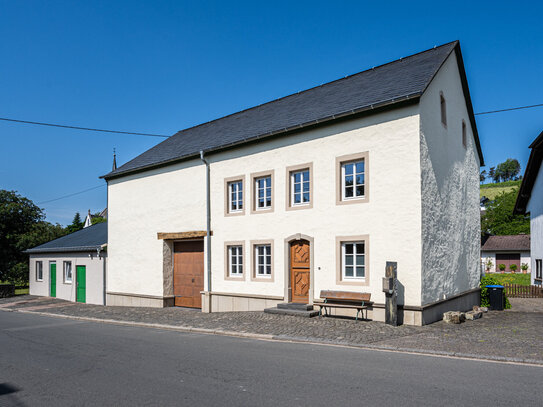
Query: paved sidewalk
[508, 336]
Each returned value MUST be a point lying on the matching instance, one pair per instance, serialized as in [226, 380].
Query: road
[50, 361]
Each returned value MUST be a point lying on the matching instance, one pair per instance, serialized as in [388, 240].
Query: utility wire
[81, 128]
[509, 109]
[75, 193]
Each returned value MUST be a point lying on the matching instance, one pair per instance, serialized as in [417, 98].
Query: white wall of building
[485, 256]
[94, 266]
[450, 191]
[391, 218]
[535, 207]
[168, 199]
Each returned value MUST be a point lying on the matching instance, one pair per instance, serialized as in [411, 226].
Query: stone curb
[296, 339]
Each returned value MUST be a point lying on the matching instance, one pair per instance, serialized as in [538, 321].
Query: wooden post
[391, 305]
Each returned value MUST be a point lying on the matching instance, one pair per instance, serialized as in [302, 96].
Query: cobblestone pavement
[498, 335]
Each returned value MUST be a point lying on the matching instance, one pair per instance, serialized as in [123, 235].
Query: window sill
[361, 282]
[349, 201]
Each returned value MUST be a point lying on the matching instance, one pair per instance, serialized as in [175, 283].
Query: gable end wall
[450, 191]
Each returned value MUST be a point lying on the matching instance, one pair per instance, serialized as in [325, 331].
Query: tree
[483, 176]
[76, 225]
[22, 226]
[492, 174]
[98, 219]
[508, 170]
[499, 219]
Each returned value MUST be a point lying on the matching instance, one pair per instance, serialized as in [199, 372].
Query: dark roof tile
[87, 239]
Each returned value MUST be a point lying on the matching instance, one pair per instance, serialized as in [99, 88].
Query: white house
[530, 200]
[506, 250]
[72, 267]
[314, 191]
[90, 217]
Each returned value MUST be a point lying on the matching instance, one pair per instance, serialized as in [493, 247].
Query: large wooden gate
[299, 271]
[188, 273]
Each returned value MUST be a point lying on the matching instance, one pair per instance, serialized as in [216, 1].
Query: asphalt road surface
[50, 361]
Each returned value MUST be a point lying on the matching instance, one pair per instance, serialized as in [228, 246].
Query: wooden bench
[343, 299]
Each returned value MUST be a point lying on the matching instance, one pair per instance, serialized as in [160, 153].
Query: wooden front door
[299, 271]
[188, 273]
[81, 284]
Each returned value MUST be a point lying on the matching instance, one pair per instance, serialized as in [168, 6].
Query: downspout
[104, 269]
[208, 227]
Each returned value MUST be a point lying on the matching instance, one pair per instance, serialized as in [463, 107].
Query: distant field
[491, 191]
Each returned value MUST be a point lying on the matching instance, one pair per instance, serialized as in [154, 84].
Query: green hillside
[493, 190]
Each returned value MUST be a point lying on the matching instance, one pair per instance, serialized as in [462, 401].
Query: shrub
[513, 267]
[524, 267]
[489, 264]
[489, 280]
[501, 266]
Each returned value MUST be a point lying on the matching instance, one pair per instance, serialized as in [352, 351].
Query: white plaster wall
[535, 207]
[168, 199]
[450, 191]
[391, 218]
[66, 291]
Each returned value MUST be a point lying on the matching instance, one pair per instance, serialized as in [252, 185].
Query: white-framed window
[353, 180]
[235, 261]
[39, 271]
[235, 196]
[263, 260]
[300, 187]
[263, 190]
[67, 271]
[353, 260]
[539, 269]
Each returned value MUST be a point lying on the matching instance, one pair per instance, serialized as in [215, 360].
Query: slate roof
[530, 175]
[88, 239]
[404, 80]
[507, 243]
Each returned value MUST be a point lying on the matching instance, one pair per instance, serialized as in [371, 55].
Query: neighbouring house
[506, 250]
[530, 200]
[72, 267]
[90, 217]
[314, 191]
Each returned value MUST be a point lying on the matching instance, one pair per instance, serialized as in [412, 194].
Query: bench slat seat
[343, 299]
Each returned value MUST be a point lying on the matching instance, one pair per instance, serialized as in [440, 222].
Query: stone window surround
[253, 177]
[339, 182]
[288, 184]
[244, 195]
[227, 275]
[346, 239]
[254, 277]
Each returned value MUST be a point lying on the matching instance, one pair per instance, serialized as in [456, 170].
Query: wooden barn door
[299, 271]
[188, 273]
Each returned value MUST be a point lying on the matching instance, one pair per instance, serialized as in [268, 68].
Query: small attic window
[443, 105]
[464, 134]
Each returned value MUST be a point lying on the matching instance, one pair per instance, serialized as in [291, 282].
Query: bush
[513, 267]
[490, 280]
[501, 266]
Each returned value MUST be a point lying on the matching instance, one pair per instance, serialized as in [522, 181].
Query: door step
[297, 310]
[296, 306]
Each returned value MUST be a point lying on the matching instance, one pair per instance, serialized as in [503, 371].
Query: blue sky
[161, 66]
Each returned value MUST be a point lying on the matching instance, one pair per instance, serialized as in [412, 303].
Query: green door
[53, 278]
[81, 281]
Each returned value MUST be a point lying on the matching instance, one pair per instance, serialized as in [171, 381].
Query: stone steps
[293, 309]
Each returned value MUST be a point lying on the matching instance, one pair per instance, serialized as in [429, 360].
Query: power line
[81, 128]
[69, 195]
[509, 109]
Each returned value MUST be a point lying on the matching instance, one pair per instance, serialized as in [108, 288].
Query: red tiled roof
[508, 242]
